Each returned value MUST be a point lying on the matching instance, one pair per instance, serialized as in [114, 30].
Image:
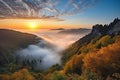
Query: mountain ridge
[74, 31]
[97, 32]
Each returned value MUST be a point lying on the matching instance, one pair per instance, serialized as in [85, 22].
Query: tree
[22, 75]
[104, 62]
[58, 76]
[75, 64]
[4, 77]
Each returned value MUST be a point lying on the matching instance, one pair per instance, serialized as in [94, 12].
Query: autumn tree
[104, 62]
[22, 75]
[75, 64]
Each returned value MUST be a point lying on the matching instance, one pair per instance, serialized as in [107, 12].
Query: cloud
[7, 5]
[42, 55]
[42, 9]
[39, 57]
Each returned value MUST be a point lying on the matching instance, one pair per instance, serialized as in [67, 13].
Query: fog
[46, 53]
[40, 58]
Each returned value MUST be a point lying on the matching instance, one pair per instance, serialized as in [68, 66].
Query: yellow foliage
[22, 75]
[75, 64]
[105, 61]
[4, 77]
[117, 38]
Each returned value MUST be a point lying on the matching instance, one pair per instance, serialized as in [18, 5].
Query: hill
[11, 41]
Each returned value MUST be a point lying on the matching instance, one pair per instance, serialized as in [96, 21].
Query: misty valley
[46, 52]
[61, 54]
[59, 39]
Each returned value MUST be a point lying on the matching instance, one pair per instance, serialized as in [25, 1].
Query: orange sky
[24, 24]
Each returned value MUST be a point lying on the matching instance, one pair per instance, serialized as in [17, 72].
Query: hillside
[10, 41]
[96, 34]
[22, 50]
[96, 56]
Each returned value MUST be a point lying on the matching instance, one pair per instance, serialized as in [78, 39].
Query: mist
[40, 58]
[46, 53]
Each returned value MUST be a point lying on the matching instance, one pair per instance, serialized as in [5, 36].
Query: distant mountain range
[58, 29]
[75, 31]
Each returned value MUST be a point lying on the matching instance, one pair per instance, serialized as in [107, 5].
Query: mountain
[58, 29]
[75, 31]
[97, 32]
[96, 56]
[84, 53]
[10, 41]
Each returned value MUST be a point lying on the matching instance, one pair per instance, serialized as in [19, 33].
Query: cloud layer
[48, 51]
[39, 57]
[43, 9]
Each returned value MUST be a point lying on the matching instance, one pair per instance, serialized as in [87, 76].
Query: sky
[49, 14]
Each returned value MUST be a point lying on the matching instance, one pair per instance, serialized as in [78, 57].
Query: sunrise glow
[32, 25]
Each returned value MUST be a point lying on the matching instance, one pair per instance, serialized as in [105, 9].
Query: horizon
[59, 39]
[77, 14]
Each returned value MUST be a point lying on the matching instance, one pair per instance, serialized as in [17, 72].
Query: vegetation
[58, 76]
[22, 74]
[94, 57]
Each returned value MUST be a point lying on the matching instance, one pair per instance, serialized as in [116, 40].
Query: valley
[93, 55]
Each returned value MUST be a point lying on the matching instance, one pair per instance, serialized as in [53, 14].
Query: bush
[58, 76]
[87, 75]
[106, 40]
[4, 77]
[75, 64]
[22, 75]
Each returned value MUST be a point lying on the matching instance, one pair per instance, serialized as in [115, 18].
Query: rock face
[114, 27]
[111, 29]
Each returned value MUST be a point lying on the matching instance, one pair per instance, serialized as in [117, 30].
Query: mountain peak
[112, 28]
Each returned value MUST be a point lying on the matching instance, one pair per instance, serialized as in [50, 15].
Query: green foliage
[84, 49]
[22, 74]
[56, 67]
[10, 68]
[58, 76]
[106, 40]
[87, 75]
[97, 43]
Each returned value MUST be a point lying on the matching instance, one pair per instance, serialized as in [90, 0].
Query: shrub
[22, 75]
[4, 77]
[75, 64]
[88, 75]
[58, 76]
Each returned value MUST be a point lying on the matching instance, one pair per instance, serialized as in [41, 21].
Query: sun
[32, 25]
